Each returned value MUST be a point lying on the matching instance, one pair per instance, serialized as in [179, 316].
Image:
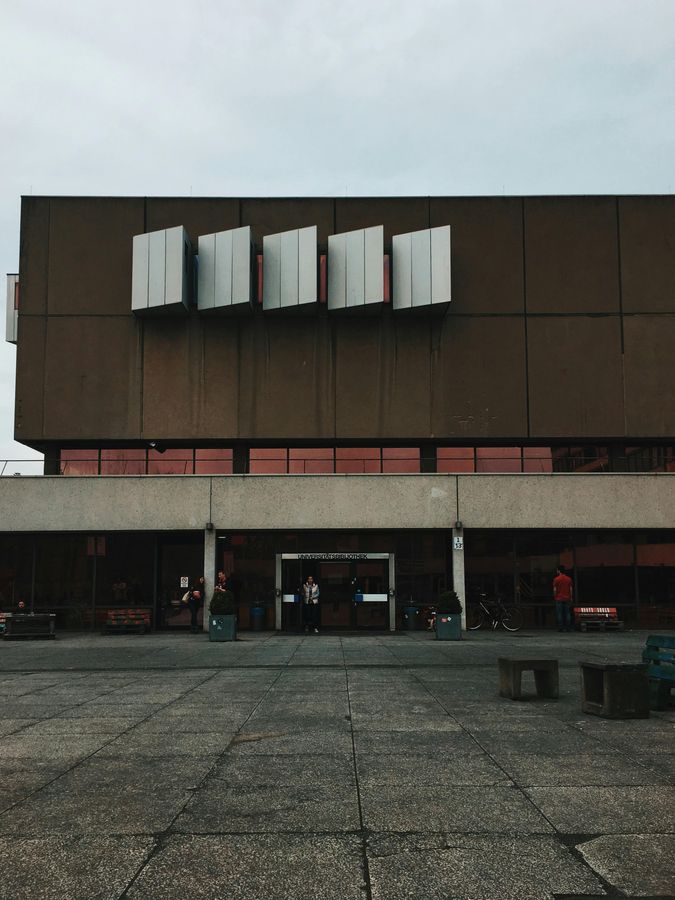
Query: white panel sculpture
[12, 320]
[162, 263]
[290, 269]
[421, 269]
[356, 268]
[224, 279]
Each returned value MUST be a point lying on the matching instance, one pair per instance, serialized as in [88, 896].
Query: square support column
[458, 569]
[209, 573]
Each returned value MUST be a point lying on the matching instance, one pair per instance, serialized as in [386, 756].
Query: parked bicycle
[493, 613]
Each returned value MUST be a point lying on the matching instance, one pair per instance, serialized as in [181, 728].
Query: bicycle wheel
[512, 619]
[475, 617]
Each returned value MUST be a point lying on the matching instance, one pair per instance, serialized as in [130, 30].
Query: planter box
[39, 625]
[448, 626]
[222, 628]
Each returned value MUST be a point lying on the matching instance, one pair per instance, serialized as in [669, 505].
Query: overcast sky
[309, 97]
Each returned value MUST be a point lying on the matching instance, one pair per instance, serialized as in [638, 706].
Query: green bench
[659, 654]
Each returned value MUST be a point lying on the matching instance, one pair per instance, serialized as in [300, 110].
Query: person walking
[310, 605]
[563, 592]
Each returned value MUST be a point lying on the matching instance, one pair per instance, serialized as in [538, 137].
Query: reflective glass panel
[401, 459]
[216, 461]
[127, 461]
[79, 462]
[311, 461]
[455, 459]
[170, 462]
[358, 460]
[266, 461]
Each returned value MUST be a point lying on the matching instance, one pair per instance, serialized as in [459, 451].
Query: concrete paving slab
[312, 807]
[290, 740]
[450, 808]
[258, 771]
[423, 867]
[84, 725]
[130, 810]
[110, 774]
[239, 867]
[59, 748]
[569, 770]
[609, 810]
[81, 868]
[178, 744]
[8, 726]
[416, 770]
[640, 865]
[453, 741]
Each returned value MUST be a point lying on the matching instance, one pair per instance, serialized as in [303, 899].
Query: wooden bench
[123, 621]
[511, 671]
[659, 654]
[597, 618]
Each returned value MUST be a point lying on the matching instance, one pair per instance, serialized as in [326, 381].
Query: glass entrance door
[354, 589]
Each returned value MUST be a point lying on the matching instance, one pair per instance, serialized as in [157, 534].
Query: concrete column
[209, 573]
[458, 569]
[392, 592]
[277, 592]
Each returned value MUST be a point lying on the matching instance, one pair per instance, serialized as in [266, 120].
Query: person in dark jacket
[195, 600]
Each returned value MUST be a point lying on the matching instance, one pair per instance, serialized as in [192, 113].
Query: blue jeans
[563, 614]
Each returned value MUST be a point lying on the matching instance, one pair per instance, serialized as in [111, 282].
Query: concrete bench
[615, 691]
[545, 677]
[659, 655]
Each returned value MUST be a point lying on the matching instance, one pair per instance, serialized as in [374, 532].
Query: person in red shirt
[563, 591]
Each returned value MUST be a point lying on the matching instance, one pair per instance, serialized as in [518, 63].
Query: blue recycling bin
[257, 618]
[410, 616]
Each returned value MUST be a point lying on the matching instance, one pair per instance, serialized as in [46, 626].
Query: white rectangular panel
[421, 269]
[242, 252]
[401, 252]
[271, 271]
[225, 270]
[337, 271]
[290, 269]
[177, 267]
[440, 265]
[156, 269]
[307, 265]
[162, 262]
[289, 288]
[374, 264]
[206, 284]
[139, 273]
[356, 268]
[12, 310]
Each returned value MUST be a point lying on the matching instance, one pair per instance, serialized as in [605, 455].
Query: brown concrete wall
[562, 324]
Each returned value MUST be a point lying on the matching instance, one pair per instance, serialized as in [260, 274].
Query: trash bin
[448, 626]
[410, 614]
[222, 628]
[257, 618]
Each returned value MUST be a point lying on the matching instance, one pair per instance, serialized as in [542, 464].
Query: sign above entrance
[335, 557]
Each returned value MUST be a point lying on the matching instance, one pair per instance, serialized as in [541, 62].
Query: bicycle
[494, 612]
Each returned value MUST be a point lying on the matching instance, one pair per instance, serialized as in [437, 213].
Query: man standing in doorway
[563, 591]
[310, 605]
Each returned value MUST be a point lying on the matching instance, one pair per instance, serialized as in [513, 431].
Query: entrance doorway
[357, 590]
[179, 557]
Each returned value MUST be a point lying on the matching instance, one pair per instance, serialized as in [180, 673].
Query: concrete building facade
[400, 394]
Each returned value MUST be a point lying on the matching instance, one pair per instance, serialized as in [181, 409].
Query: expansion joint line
[362, 829]
[161, 838]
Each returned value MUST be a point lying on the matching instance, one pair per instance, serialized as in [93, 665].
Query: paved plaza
[332, 767]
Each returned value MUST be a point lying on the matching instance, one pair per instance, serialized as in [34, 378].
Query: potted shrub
[223, 617]
[449, 617]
